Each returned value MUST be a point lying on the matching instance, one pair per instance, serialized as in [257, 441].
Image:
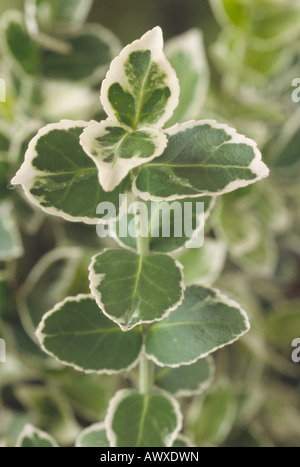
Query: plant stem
[146, 369]
[146, 375]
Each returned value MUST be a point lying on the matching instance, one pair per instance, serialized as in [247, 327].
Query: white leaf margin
[202, 386]
[41, 338]
[95, 279]
[219, 297]
[90, 429]
[111, 174]
[257, 166]
[27, 173]
[120, 396]
[153, 41]
[30, 430]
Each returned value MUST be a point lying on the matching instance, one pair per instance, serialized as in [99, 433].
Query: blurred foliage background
[252, 251]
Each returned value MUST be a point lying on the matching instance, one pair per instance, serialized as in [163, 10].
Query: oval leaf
[205, 322]
[61, 179]
[138, 420]
[186, 54]
[141, 88]
[186, 380]
[202, 158]
[21, 50]
[78, 334]
[32, 437]
[132, 289]
[93, 437]
[116, 150]
[88, 56]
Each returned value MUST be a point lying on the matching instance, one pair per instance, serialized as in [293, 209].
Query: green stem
[146, 369]
[146, 375]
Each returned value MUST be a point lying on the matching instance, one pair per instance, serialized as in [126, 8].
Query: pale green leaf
[171, 226]
[93, 437]
[203, 266]
[186, 380]
[186, 54]
[214, 420]
[137, 420]
[132, 289]
[32, 437]
[116, 151]
[202, 158]
[60, 178]
[55, 15]
[205, 322]
[141, 88]
[78, 334]
[10, 240]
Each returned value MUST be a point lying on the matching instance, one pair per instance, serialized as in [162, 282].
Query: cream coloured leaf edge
[41, 338]
[27, 173]
[30, 430]
[123, 394]
[95, 279]
[110, 175]
[218, 298]
[257, 166]
[153, 41]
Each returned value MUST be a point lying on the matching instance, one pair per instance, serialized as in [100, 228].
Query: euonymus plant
[139, 310]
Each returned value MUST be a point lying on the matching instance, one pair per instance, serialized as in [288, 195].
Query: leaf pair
[78, 334]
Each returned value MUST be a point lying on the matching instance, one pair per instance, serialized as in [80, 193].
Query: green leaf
[171, 226]
[139, 420]
[59, 177]
[282, 325]
[93, 437]
[141, 88]
[32, 437]
[202, 158]
[186, 380]
[186, 54]
[88, 56]
[235, 11]
[21, 50]
[205, 322]
[48, 408]
[203, 266]
[78, 334]
[10, 239]
[54, 15]
[132, 289]
[116, 151]
[53, 278]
